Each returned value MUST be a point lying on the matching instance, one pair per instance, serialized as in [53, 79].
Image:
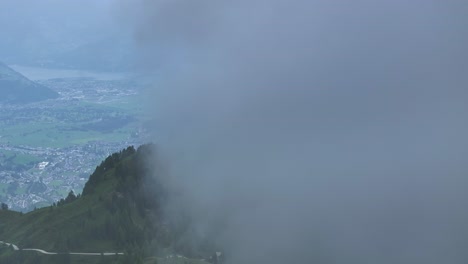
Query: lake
[37, 73]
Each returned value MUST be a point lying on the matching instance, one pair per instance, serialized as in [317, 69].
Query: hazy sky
[24, 16]
[315, 131]
[40, 29]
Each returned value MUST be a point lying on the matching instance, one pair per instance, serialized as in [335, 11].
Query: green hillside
[119, 211]
[16, 89]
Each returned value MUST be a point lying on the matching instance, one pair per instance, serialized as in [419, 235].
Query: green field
[17, 158]
[65, 125]
[52, 131]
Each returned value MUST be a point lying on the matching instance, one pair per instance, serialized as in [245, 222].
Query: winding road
[15, 247]
[8, 244]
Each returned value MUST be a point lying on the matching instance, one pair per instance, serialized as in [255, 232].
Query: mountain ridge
[120, 210]
[15, 88]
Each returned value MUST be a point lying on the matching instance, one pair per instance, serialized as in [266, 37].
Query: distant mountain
[107, 54]
[17, 89]
[120, 210]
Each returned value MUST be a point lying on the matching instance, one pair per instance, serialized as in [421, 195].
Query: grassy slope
[46, 227]
[71, 227]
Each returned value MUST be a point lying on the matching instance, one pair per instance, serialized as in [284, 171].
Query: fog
[62, 34]
[313, 131]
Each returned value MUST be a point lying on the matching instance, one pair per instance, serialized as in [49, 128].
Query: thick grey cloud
[315, 131]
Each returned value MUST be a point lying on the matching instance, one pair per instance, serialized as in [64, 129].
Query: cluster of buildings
[49, 173]
[59, 171]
